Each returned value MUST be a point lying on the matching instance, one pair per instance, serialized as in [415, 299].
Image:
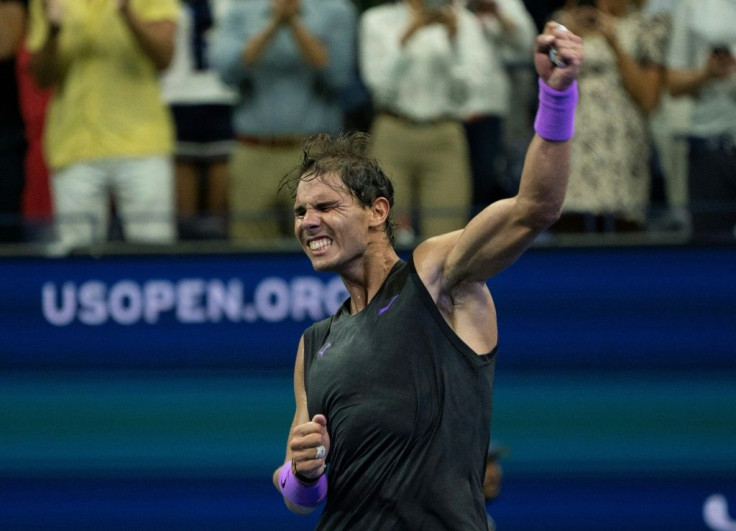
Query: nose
[311, 219]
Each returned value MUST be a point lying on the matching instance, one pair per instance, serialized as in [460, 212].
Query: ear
[380, 210]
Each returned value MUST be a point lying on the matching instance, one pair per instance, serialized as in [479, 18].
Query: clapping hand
[284, 11]
[54, 11]
[721, 63]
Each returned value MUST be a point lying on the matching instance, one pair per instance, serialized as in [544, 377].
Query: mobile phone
[554, 56]
[481, 6]
[721, 49]
[435, 4]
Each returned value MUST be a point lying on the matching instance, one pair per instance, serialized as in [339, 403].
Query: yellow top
[108, 104]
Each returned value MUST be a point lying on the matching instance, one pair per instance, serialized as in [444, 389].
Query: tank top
[408, 407]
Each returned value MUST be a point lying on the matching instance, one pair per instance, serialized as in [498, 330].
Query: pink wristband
[299, 494]
[555, 119]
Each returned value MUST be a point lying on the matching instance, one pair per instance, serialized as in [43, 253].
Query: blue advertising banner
[558, 308]
[564, 504]
[165, 311]
[154, 392]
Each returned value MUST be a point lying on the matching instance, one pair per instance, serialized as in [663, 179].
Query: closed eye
[300, 211]
[324, 207]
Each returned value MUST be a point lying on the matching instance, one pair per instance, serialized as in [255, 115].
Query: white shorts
[143, 192]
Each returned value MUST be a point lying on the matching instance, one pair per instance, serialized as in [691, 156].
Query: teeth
[320, 244]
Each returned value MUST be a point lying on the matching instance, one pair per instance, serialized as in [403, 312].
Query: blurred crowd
[156, 121]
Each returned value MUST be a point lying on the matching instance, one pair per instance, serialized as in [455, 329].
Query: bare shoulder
[431, 262]
[430, 258]
[466, 306]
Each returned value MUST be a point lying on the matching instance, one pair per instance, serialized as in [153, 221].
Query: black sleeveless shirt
[408, 407]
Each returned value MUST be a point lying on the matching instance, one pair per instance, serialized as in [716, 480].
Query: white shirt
[493, 86]
[183, 82]
[429, 77]
[697, 27]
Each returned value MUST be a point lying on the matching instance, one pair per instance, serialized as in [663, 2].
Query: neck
[366, 279]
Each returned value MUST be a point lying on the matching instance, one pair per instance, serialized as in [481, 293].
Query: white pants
[143, 191]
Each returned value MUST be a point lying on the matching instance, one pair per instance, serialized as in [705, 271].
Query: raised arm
[155, 37]
[46, 64]
[13, 22]
[301, 478]
[498, 235]
[642, 79]
[720, 65]
[287, 14]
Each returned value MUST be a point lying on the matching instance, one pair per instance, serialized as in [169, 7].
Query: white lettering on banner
[190, 301]
[126, 303]
[272, 297]
[159, 297]
[91, 300]
[227, 300]
[190, 309]
[59, 316]
[306, 294]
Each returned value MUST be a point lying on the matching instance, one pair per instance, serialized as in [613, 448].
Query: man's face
[331, 225]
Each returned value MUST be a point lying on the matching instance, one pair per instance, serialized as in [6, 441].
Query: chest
[93, 28]
[377, 366]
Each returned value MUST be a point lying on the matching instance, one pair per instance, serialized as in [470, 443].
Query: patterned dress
[610, 151]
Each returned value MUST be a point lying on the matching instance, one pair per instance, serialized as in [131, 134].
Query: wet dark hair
[347, 156]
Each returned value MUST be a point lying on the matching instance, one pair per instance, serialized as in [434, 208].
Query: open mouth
[320, 244]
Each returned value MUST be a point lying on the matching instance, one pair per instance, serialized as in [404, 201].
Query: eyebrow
[319, 205]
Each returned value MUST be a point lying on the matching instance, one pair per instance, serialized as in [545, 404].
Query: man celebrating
[394, 391]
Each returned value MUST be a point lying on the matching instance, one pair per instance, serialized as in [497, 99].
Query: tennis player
[393, 392]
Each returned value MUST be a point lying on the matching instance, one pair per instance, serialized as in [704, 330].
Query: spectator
[509, 32]
[419, 58]
[620, 85]
[701, 63]
[37, 207]
[13, 14]
[290, 60]
[202, 108]
[107, 130]
[669, 125]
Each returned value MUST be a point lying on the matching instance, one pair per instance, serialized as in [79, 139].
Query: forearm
[312, 50]
[13, 22]
[687, 82]
[409, 32]
[9, 42]
[156, 38]
[255, 48]
[543, 182]
[45, 64]
[547, 164]
[508, 25]
[641, 82]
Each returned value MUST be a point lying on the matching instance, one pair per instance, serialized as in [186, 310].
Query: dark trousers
[487, 161]
[712, 188]
[12, 181]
